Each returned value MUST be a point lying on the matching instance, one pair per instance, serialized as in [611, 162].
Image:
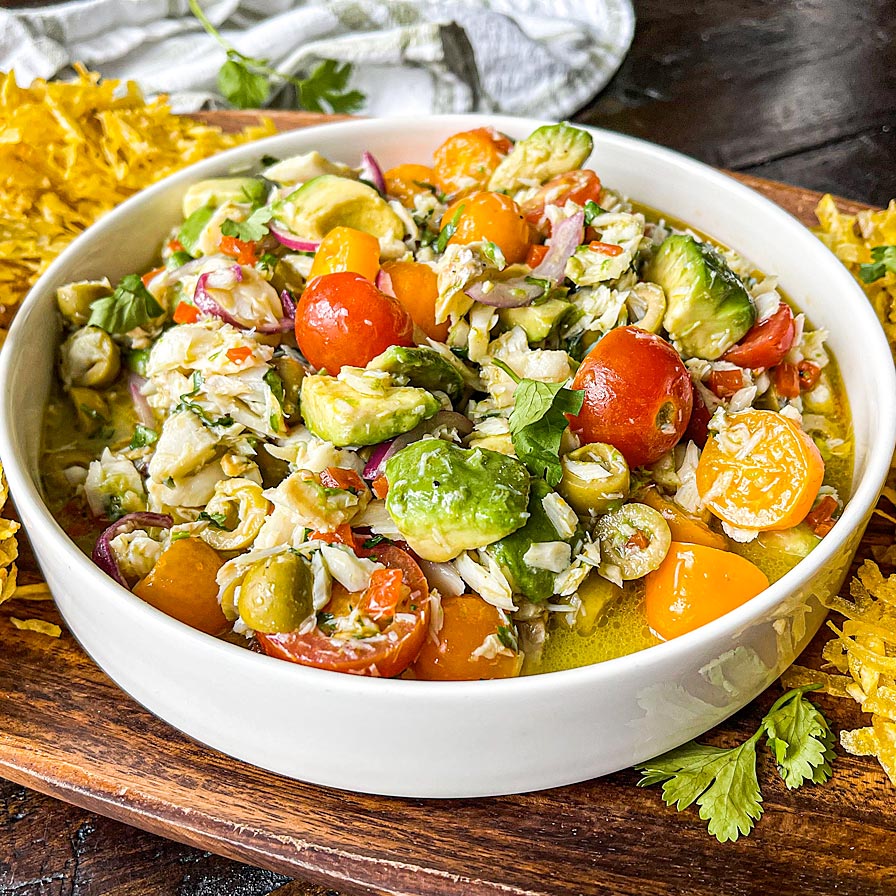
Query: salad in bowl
[468, 419]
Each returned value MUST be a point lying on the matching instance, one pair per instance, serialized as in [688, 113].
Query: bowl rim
[867, 488]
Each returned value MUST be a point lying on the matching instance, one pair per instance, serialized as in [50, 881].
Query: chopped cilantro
[143, 436]
[130, 306]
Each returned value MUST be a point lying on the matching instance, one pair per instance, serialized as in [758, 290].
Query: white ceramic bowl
[457, 739]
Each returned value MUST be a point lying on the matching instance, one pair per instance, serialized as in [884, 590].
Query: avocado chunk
[446, 499]
[302, 168]
[218, 190]
[548, 151]
[708, 308]
[362, 409]
[538, 321]
[191, 230]
[776, 553]
[328, 201]
[421, 366]
[536, 584]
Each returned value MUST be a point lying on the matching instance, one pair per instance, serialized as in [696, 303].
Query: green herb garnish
[254, 228]
[216, 520]
[130, 306]
[592, 210]
[449, 230]
[724, 783]
[493, 253]
[143, 436]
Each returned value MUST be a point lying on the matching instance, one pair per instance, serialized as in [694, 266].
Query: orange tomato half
[490, 216]
[347, 249]
[762, 472]
[696, 584]
[465, 161]
[404, 182]
[182, 584]
[416, 286]
[468, 621]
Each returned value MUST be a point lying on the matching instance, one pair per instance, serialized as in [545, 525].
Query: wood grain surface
[67, 731]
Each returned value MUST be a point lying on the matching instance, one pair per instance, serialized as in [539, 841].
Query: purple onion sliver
[205, 303]
[103, 555]
[370, 170]
[384, 283]
[237, 272]
[512, 293]
[288, 303]
[378, 457]
[141, 405]
[567, 236]
[285, 238]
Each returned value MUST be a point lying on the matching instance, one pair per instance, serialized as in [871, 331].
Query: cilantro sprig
[724, 783]
[537, 423]
[254, 228]
[131, 305]
[883, 260]
[247, 82]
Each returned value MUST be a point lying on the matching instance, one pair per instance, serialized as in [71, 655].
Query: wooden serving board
[66, 730]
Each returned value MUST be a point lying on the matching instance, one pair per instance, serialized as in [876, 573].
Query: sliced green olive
[273, 469]
[634, 540]
[276, 594]
[291, 374]
[287, 276]
[237, 512]
[74, 299]
[90, 358]
[90, 407]
[136, 360]
[647, 305]
[596, 594]
[595, 478]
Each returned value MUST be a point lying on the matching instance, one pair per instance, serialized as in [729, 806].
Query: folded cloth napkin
[545, 58]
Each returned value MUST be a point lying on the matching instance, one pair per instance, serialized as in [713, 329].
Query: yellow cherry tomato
[490, 216]
[416, 286]
[404, 182]
[347, 249]
[696, 584]
[466, 161]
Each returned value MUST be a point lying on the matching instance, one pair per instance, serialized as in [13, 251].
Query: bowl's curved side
[454, 739]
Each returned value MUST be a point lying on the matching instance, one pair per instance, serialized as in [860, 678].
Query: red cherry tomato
[724, 383]
[387, 654]
[577, 186]
[343, 320]
[637, 395]
[766, 343]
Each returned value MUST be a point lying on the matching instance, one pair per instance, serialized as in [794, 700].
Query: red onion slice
[103, 555]
[376, 466]
[290, 240]
[513, 293]
[289, 305]
[205, 303]
[370, 170]
[567, 236]
[141, 405]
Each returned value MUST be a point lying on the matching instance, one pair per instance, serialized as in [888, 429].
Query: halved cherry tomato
[490, 216]
[340, 535]
[724, 383]
[416, 286]
[385, 592]
[344, 320]
[809, 374]
[766, 343]
[683, 526]
[787, 380]
[387, 654]
[347, 249]
[535, 255]
[696, 584]
[575, 186]
[239, 354]
[467, 621]
[243, 251]
[404, 182]
[638, 395]
[185, 313]
[771, 485]
[820, 519]
[465, 161]
[182, 584]
[150, 274]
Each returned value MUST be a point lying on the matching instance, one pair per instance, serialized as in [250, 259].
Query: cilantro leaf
[493, 253]
[592, 210]
[449, 230]
[722, 782]
[143, 436]
[242, 86]
[883, 260]
[252, 229]
[324, 90]
[215, 520]
[538, 421]
[130, 306]
[800, 739]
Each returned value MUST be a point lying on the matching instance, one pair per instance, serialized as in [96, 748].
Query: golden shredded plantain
[37, 625]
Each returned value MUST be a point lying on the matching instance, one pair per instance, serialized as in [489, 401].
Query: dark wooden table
[801, 91]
